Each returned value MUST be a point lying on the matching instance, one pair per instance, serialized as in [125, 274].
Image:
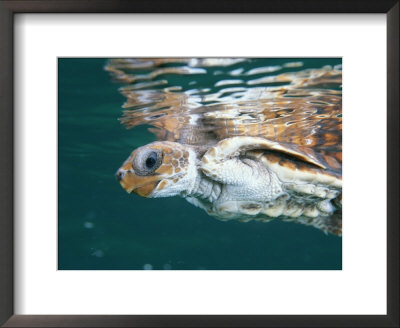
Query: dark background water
[102, 227]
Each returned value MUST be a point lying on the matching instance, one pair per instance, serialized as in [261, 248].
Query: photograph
[199, 163]
[183, 165]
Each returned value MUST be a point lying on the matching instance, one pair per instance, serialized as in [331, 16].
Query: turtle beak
[120, 174]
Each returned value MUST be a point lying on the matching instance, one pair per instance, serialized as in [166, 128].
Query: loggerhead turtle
[256, 163]
[240, 178]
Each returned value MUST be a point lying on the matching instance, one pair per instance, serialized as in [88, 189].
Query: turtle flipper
[233, 147]
[219, 161]
[245, 178]
[228, 170]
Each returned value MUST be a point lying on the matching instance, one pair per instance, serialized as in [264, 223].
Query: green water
[101, 227]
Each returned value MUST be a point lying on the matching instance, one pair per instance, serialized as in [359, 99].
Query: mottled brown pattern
[166, 169]
[177, 154]
[145, 184]
[167, 159]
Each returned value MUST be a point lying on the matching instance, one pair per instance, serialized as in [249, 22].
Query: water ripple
[196, 101]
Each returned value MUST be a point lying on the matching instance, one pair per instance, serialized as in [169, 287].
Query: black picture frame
[11, 7]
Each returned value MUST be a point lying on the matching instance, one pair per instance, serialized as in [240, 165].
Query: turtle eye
[151, 160]
[147, 161]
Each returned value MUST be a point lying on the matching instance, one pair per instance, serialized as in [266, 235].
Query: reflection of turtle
[277, 155]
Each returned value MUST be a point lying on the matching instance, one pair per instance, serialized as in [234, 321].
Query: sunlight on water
[301, 107]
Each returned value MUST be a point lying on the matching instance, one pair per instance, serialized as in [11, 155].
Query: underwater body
[234, 98]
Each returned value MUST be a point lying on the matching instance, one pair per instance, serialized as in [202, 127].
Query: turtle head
[159, 169]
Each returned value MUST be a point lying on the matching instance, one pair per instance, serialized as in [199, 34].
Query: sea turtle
[277, 157]
[241, 178]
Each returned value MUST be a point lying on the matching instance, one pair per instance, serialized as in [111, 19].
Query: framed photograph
[199, 164]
